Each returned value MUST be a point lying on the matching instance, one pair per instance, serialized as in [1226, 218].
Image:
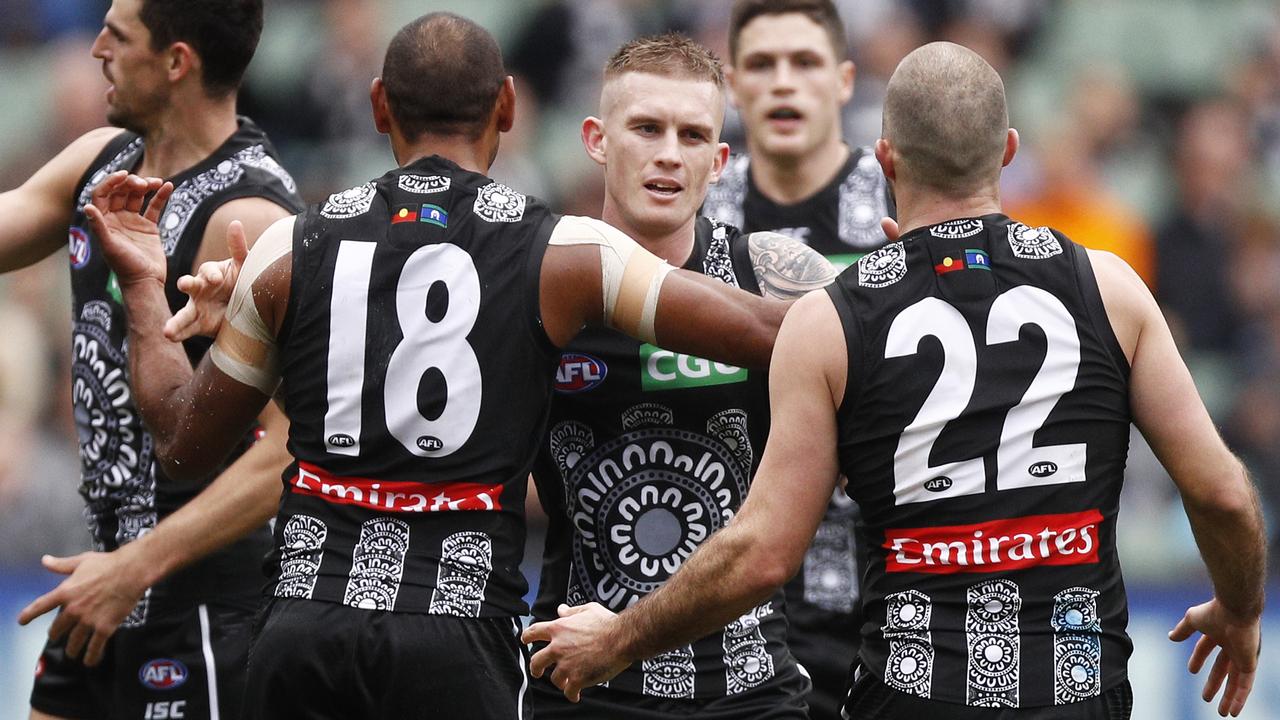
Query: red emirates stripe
[995, 546]
[395, 495]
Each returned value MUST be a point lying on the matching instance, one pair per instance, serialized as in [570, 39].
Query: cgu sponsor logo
[995, 546]
[665, 370]
[163, 674]
[395, 495]
[578, 373]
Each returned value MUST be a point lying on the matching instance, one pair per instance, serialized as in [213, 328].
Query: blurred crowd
[1150, 128]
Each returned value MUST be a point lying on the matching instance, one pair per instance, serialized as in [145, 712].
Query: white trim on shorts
[210, 669]
[524, 673]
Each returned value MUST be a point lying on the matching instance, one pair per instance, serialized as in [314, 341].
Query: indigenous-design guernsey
[123, 487]
[417, 375]
[984, 432]
[841, 221]
[649, 452]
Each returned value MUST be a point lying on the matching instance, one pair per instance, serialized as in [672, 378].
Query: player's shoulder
[78, 157]
[92, 143]
[1116, 278]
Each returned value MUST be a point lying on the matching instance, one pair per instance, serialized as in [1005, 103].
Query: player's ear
[593, 138]
[505, 107]
[183, 60]
[1011, 144]
[730, 85]
[884, 155]
[381, 110]
[848, 71]
[718, 163]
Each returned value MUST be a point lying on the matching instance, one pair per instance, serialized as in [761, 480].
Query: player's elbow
[767, 567]
[1232, 500]
[182, 465]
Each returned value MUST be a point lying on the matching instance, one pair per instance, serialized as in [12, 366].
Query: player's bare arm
[786, 268]
[179, 406]
[585, 280]
[759, 549]
[102, 588]
[1219, 498]
[37, 212]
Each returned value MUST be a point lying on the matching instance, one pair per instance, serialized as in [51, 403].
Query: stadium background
[1150, 127]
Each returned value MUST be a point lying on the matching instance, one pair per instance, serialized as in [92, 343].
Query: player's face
[139, 87]
[789, 85]
[661, 147]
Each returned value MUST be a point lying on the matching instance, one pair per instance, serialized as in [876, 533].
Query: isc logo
[163, 674]
[166, 710]
[578, 372]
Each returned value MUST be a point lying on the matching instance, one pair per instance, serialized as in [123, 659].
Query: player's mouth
[663, 187]
[111, 84]
[784, 118]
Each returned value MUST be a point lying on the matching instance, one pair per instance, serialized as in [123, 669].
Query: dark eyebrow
[114, 28]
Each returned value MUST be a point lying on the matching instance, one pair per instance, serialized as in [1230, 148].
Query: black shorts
[871, 698]
[827, 658]
[187, 664]
[315, 660]
[780, 700]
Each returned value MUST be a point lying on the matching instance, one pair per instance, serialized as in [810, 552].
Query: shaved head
[443, 73]
[946, 118]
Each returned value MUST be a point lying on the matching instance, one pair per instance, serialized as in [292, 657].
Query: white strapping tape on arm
[630, 277]
[246, 348]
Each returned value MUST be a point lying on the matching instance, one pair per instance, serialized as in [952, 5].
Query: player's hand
[890, 228]
[130, 237]
[209, 291]
[1240, 640]
[99, 594]
[581, 646]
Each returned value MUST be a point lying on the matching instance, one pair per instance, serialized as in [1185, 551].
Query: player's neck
[922, 208]
[187, 133]
[789, 179]
[475, 156]
[673, 246]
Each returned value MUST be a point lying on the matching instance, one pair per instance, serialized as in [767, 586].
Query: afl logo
[341, 440]
[578, 373]
[1042, 469]
[938, 484]
[78, 241]
[163, 674]
[430, 443]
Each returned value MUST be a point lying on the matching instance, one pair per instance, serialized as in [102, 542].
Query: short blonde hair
[669, 54]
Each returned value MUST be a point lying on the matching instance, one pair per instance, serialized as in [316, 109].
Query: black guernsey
[840, 221]
[650, 452]
[416, 375]
[984, 432]
[124, 489]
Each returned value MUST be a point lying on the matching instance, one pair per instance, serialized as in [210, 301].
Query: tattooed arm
[787, 268]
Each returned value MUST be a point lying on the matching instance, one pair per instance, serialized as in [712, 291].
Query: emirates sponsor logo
[395, 495]
[995, 546]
